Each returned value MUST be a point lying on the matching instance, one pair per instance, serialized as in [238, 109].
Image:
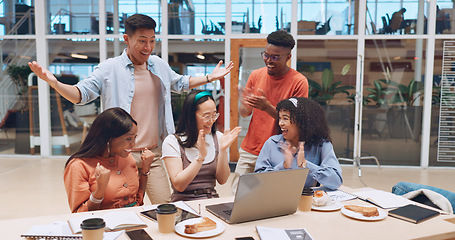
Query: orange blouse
[123, 187]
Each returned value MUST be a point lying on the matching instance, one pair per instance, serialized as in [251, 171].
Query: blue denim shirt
[322, 163]
[113, 79]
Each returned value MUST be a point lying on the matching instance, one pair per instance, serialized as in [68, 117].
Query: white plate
[330, 206]
[180, 229]
[359, 216]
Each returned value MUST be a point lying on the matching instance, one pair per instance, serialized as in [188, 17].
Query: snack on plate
[205, 225]
[321, 198]
[365, 211]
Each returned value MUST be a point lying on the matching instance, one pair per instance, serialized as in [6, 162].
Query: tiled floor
[33, 186]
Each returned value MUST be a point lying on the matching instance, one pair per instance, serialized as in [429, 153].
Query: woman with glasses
[303, 142]
[196, 155]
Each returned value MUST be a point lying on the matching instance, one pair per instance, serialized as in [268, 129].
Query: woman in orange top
[103, 174]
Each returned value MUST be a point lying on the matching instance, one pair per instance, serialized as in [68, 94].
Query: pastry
[365, 211]
[321, 198]
[205, 225]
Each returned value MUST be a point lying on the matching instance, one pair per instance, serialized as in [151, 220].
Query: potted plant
[379, 92]
[19, 76]
[403, 118]
[407, 94]
[324, 92]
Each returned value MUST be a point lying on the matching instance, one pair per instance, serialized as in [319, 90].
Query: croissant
[205, 225]
[365, 211]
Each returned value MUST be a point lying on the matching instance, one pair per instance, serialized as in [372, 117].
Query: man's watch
[146, 174]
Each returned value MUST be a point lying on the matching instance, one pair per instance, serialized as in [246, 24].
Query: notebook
[56, 230]
[382, 199]
[263, 195]
[61, 231]
[413, 213]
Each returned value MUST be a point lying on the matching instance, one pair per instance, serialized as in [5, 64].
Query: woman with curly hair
[304, 141]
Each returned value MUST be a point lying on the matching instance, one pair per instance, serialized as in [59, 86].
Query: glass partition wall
[393, 49]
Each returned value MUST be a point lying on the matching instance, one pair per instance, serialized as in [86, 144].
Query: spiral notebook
[56, 230]
[61, 231]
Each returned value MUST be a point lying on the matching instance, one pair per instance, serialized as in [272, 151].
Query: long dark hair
[309, 117]
[187, 125]
[112, 123]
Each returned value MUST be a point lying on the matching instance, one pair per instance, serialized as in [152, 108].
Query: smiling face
[206, 116]
[276, 68]
[289, 129]
[122, 145]
[140, 45]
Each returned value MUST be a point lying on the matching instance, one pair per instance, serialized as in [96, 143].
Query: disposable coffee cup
[306, 200]
[165, 215]
[93, 229]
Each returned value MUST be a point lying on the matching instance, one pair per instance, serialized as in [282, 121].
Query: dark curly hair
[281, 38]
[310, 119]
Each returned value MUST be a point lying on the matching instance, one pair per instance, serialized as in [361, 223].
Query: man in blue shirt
[141, 84]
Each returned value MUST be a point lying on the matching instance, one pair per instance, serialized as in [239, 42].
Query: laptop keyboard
[228, 212]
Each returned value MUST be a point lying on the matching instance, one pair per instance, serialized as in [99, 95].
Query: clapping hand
[258, 101]
[200, 144]
[229, 137]
[288, 155]
[301, 162]
[244, 94]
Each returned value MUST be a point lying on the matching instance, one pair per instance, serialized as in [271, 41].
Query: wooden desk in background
[321, 225]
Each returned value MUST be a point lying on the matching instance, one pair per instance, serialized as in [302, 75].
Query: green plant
[436, 95]
[351, 99]
[378, 94]
[407, 94]
[324, 92]
[19, 76]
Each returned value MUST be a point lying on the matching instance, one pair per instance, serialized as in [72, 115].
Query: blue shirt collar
[277, 138]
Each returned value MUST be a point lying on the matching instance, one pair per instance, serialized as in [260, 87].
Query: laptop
[263, 195]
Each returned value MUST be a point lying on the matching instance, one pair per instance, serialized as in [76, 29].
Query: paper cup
[93, 229]
[306, 200]
[165, 215]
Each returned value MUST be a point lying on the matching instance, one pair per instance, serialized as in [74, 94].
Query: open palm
[218, 72]
[229, 137]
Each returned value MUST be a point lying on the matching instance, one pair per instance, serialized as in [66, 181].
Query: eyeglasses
[273, 58]
[207, 117]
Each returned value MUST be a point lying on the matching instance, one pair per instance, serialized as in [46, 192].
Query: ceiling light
[80, 56]
[200, 56]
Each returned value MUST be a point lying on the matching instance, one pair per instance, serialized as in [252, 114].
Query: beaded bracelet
[95, 200]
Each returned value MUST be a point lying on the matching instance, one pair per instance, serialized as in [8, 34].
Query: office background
[343, 46]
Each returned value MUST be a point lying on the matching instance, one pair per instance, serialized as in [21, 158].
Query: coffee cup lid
[92, 224]
[307, 191]
[166, 209]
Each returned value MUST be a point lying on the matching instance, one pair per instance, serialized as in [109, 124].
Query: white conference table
[320, 225]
